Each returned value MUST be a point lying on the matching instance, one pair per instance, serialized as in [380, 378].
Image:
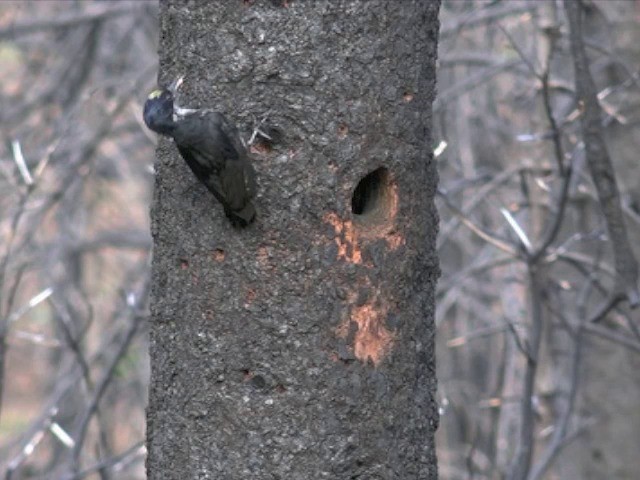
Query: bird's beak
[175, 85]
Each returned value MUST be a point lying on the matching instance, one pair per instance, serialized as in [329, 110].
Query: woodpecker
[211, 146]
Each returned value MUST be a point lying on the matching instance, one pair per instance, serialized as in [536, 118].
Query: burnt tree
[300, 347]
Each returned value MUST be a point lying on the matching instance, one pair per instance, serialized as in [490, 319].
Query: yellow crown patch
[155, 94]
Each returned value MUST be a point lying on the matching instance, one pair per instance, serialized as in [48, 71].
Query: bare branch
[481, 17]
[480, 232]
[521, 462]
[608, 334]
[599, 161]
[68, 20]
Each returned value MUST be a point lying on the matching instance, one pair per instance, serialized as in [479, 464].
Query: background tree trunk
[301, 347]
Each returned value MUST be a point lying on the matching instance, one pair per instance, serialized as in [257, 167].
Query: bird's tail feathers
[242, 218]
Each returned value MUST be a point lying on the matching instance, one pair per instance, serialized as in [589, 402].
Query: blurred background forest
[76, 172]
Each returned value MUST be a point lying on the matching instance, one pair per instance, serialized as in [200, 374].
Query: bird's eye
[155, 94]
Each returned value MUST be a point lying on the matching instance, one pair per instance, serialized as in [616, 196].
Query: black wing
[212, 148]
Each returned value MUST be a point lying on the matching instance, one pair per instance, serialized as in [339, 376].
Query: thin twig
[136, 450]
[476, 199]
[483, 16]
[608, 334]
[101, 388]
[480, 232]
[68, 20]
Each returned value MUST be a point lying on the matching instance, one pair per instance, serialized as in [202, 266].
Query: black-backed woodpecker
[211, 146]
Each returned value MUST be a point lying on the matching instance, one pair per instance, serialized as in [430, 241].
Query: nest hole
[374, 199]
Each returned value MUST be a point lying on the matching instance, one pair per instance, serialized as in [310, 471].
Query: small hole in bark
[268, 136]
[374, 200]
[218, 255]
[258, 382]
[261, 146]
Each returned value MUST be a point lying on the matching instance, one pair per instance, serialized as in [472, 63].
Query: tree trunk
[302, 346]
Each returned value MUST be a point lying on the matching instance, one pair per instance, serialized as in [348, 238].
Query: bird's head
[159, 108]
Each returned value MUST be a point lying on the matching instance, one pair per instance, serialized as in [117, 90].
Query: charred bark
[302, 346]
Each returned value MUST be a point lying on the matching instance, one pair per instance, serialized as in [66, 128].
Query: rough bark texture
[301, 347]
